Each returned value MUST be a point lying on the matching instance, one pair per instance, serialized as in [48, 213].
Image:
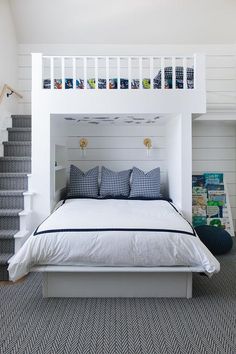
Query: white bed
[94, 247]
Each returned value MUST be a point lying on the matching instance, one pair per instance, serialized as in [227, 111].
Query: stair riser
[7, 246]
[14, 183]
[4, 273]
[19, 136]
[21, 122]
[15, 166]
[17, 150]
[9, 222]
[12, 202]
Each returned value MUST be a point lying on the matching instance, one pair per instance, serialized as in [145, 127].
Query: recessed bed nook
[118, 176]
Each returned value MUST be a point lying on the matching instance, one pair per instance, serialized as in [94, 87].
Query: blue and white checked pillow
[145, 185]
[83, 185]
[115, 184]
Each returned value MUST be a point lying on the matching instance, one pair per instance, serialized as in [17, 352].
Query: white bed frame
[77, 281]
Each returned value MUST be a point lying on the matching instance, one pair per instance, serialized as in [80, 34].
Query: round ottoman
[216, 239]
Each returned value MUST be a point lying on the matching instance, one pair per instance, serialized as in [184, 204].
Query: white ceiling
[125, 21]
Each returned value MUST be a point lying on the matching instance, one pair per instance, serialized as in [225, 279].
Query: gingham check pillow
[83, 184]
[145, 185]
[115, 184]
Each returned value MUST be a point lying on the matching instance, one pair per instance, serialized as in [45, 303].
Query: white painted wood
[162, 73]
[96, 72]
[140, 73]
[76, 281]
[85, 72]
[214, 150]
[120, 154]
[20, 237]
[129, 72]
[173, 73]
[74, 73]
[185, 73]
[63, 72]
[117, 285]
[92, 269]
[107, 73]
[116, 142]
[118, 73]
[179, 162]
[151, 73]
[52, 72]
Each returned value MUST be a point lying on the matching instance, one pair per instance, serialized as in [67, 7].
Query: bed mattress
[108, 232]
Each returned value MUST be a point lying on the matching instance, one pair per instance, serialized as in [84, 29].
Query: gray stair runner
[14, 167]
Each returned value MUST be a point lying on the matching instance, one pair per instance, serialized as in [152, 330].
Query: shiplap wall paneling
[118, 147]
[214, 150]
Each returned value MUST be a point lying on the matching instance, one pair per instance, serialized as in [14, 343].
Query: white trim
[117, 282]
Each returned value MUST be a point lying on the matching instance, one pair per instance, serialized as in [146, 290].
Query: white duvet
[113, 233]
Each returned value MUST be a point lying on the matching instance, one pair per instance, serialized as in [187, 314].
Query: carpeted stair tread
[10, 212]
[15, 158]
[9, 193]
[5, 257]
[7, 234]
[15, 165]
[13, 174]
[21, 116]
[28, 129]
[13, 143]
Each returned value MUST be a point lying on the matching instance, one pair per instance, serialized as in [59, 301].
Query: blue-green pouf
[217, 240]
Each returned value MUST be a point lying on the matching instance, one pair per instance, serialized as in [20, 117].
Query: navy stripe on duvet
[112, 229]
[168, 200]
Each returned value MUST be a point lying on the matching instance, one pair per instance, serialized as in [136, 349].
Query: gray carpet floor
[206, 323]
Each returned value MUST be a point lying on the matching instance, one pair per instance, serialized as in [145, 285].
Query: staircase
[14, 167]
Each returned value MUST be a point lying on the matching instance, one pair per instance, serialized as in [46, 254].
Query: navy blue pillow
[145, 185]
[115, 184]
[83, 185]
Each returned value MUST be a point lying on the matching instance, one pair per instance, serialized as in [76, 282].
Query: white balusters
[85, 72]
[162, 73]
[184, 73]
[129, 73]
[96, 72]
[151, 73]
[107, 73]
[118, 73]
[173, 73]
[52, 72]
[63, 73]
[145, 67]
[74, 72]
[140, 73]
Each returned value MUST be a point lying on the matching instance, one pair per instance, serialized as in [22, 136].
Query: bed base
[77, 281]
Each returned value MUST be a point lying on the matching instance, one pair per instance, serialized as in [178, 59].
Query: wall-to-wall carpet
[206, 323]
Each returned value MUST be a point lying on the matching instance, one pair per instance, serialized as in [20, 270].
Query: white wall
[117, 147]
[214, 150]
[8, 60]
[126, 22]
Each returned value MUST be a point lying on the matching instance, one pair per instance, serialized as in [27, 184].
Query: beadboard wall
[214, 150]
[118, 147]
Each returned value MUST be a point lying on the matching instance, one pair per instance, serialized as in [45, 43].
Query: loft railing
[8, 91]
[139, 72]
